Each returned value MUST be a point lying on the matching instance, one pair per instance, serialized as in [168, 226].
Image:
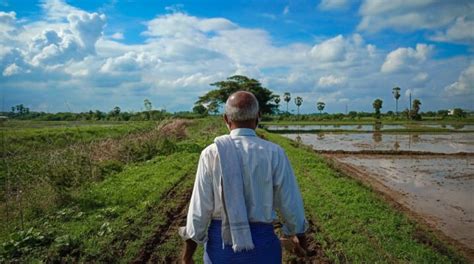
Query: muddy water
[440, 189]
[435, 143]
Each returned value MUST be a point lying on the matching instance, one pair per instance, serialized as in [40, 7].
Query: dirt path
[173, 206]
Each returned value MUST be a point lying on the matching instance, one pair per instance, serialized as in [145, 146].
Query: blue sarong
[267, 246]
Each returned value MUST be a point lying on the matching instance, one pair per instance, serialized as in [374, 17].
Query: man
[241, 181]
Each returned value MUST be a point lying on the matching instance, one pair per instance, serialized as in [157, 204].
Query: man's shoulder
[270, 145]
[210, 150]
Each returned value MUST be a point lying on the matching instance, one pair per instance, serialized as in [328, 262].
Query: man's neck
[245, 124]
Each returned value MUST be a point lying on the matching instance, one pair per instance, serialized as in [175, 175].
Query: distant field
[121, 195]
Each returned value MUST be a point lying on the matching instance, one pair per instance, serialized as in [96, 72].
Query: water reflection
[396, 144]
[377, 137]
[320, 136]
[439, 143]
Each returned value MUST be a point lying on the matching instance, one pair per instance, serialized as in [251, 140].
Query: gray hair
[241, 110]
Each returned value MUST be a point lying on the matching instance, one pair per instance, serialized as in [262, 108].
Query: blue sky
[60, 55]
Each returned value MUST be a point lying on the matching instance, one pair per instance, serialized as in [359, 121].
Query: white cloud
[462, 31]
[331, 80]
[12, 69]
[464, 85]
[409, 15]
[131, 61]
[117, 36]
[58, 10]
[421, 77]
[330, 50]
[333, 4]
[406, 58]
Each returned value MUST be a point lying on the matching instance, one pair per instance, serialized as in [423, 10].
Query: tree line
[212, 102]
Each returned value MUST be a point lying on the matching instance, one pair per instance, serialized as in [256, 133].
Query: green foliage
[215, 98]
[414, 113]
[200, 109]
[377, 104]
[459, 113]
[22, 243]
[108, 167]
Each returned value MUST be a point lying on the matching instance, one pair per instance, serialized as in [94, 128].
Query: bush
[109, 167]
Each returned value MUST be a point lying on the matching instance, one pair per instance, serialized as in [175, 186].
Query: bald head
[241, 106]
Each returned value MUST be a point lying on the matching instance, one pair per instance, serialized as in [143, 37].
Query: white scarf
[235, 223]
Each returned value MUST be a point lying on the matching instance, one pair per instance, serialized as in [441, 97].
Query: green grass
[356, 224]
[30, 136]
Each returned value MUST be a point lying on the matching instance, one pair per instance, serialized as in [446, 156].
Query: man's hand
[296, 244]
[188, 252]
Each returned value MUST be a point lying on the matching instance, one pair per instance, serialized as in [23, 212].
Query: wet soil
[434, 190]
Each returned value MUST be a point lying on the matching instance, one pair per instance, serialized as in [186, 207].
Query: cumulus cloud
[331, 50]
[331, 80]
[448, 18]
[131, 61]
[461, 31]
[406, 58]
[465, 83]
[117, 36]
[333, 4]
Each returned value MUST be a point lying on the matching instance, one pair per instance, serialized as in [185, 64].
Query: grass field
[132, 211]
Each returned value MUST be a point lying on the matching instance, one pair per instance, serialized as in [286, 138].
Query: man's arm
[200, 211]
[188, 251]
[288, 200]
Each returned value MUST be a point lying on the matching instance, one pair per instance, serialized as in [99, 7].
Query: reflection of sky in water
[332, 127]
[455, 127]
[438, 143]
[439, 187]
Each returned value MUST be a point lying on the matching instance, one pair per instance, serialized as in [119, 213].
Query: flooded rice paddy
[416, 142]
[430, 174]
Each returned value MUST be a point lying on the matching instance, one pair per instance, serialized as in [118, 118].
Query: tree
[147, 104]
[458, 112]
[238, 83]
[320, 106]
[396, 95]
[377, 104]
[276, 99]
[148, 107]
[200, 109]
[414, 114]
[287, 99]
[116, 111]
[298, 102]
[213, 107]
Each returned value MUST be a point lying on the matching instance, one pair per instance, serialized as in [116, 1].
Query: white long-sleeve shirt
[269, 185]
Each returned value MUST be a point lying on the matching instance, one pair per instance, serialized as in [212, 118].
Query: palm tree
[396, 94]
[298, 102]
[276, 99]
[320, 106]
[287, 99]
[415, 109]
[148, 107]
[377, 104]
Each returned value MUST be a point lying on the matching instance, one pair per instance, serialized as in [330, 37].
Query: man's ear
[225, 119]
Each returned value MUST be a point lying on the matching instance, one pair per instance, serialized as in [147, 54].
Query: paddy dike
[430, 176]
